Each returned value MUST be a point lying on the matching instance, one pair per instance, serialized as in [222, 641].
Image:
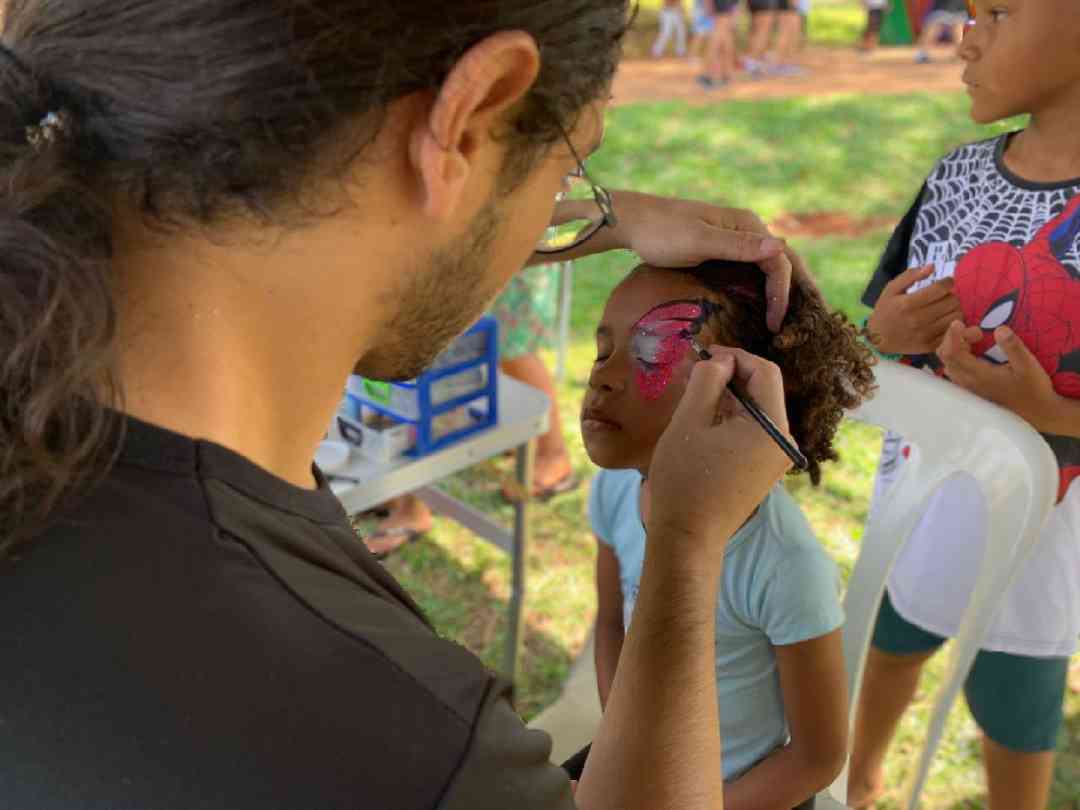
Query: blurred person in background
[672, 23]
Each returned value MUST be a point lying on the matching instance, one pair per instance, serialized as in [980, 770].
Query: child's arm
[1021, 385]
[815, 700]
[609, 619]
[915, 323]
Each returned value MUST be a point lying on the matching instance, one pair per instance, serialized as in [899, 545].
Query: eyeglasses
[577, 231]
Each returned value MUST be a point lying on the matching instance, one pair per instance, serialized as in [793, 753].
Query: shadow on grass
[464, 605]
[463, 585]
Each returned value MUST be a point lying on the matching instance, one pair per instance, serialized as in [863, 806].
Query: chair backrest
[951, 432]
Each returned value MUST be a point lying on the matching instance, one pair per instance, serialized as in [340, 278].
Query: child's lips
[595, 421]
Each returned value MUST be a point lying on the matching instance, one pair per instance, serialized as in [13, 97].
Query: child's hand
[714, 464]
[916, 323]
[1021, 385]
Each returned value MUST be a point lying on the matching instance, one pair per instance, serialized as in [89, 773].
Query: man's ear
[447, 146]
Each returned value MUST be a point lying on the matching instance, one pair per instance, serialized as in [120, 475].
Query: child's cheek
[652, 383]
[653, 379]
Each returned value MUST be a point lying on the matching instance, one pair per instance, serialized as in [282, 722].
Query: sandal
[409, 535]
[379, 512]
[511, 491]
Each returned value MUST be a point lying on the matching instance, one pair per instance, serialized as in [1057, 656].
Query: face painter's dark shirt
[201, 634]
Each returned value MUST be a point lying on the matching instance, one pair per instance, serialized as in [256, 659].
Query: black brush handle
[769, 426]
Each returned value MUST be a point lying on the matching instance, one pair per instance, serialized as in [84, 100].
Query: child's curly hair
[826, 367]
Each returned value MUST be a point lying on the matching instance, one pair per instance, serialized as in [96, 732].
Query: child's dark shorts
[1015, 699]
[757, 6]
[875, 17]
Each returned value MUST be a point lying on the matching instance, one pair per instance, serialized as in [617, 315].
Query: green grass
[863, 156]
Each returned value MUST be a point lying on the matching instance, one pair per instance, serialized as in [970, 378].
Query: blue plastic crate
[461, 386]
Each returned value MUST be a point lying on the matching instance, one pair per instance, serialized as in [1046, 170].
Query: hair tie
[55, 123]
[51, 128]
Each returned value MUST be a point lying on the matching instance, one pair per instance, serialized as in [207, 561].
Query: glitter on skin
[660, 340]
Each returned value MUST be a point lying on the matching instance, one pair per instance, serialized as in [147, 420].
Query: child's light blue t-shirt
[778, 587]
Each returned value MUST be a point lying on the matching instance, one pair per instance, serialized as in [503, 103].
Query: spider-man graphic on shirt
[1032, 290]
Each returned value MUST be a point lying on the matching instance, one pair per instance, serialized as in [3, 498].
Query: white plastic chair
[950, 431]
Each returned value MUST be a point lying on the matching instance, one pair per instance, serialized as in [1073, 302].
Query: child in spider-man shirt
[980, 283]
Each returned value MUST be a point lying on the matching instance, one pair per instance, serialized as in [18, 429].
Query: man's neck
[246, 349]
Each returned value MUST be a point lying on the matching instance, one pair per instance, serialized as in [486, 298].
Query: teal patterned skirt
[527, 310]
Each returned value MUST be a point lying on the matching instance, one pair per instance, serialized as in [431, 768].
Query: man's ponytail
[57, 320]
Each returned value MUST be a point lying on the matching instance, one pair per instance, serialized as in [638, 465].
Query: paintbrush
[768, 425]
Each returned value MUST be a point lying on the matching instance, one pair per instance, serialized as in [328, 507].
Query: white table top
[523, 415]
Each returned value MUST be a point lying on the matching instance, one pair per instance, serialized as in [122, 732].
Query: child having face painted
[779, 662]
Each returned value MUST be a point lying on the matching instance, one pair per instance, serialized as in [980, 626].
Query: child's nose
[606, 376]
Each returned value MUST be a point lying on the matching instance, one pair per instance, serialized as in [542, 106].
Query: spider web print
[968, 202]
[976, 225]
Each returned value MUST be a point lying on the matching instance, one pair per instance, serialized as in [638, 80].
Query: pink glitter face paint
[660, 340]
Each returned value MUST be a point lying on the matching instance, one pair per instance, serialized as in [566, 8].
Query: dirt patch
[828, 71]
[827, 223]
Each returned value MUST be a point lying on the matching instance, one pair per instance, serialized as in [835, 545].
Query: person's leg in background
[803, 7]
[931, 33]
[725, 25]
[681, 33]
[667, 28]
[1017, 780]
[789, 29]
[871, 37]
[889, 686]
[553, 469]
[762, 20]
[407, 519]
[890, 680]
[526, 311]
[703, 23]
[720, 50]
[1016, 701]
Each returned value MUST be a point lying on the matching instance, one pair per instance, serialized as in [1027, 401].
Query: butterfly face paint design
[660, 340]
